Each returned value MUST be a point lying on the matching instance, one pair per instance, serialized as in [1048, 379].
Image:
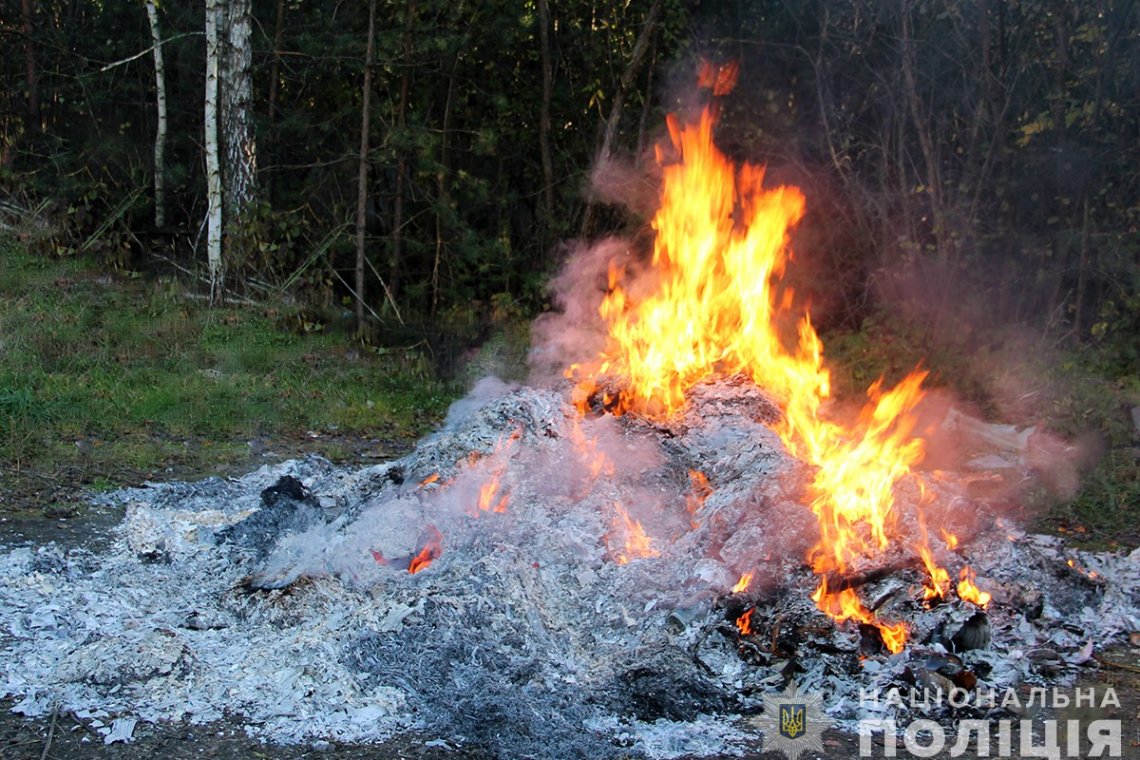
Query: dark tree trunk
[362, 176]
[640, 49]
[274, 88]
[33, 117]
[544, 125]
[397, 259]
[443, 206]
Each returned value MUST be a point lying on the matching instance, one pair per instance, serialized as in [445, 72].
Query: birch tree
[213, 163]
[231, 154]
[160, 133]
[239, 147]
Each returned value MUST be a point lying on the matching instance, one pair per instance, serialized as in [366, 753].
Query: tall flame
[721, 244]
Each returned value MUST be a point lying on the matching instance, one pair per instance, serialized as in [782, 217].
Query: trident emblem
[792, 720]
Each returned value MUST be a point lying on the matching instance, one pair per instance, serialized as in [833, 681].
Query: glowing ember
[743, 584]
[431, 551]
[429, 479]
[967, 591]
[744, 622]
[596, 460]
[1081, 570]
[721, 242]
[637, 544]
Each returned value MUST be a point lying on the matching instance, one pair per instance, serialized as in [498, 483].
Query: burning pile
[612, 566]
[721, 241]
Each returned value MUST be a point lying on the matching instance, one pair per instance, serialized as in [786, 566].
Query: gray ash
[541, 626]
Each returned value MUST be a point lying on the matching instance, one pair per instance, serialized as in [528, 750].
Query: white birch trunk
[160, 133]
[239, 147]
[213, 163]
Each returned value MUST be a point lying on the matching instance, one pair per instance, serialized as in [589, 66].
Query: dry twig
[51, 733]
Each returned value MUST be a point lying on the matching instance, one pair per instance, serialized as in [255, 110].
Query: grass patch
[1103, 513]
[99, 374]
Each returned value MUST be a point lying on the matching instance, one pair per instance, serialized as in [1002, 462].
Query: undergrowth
[101, 373]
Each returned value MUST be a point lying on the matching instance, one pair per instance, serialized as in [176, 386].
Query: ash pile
[532, 582]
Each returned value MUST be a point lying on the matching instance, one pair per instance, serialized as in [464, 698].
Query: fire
[721, 244]
[637, 544]
[846, 605]
[488, 493]
[429, 479]
[939, 579]
[967, 591]
[433, 547]
[950, 539]
[593, 455]
[894, 636]
[1087, 573]
[939, 582]
[743, 584]
[699, 491]
[744, 622]
[492, 497]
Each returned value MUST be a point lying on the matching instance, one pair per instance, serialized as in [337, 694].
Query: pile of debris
[534, 582]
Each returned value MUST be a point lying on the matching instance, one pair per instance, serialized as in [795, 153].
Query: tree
[213, 160]
[33, 116]
[362, 189]
[239, 144]
[160, 132]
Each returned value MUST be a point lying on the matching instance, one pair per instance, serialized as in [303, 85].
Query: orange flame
[939, 579]
[721, 243]
[744, 622]
[967, 591]
[429, 479]
[950, 539]
[743, 584]
[637, 544]
[894, 637]
[431, 551]
[490, 498]
[699, 490]
[487, 493]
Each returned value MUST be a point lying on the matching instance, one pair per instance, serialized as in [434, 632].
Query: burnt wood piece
[837, 583]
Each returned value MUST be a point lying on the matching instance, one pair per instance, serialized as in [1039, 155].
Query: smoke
[576, 333]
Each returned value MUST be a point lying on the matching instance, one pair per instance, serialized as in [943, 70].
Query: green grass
[100, 372]
[1104, 512]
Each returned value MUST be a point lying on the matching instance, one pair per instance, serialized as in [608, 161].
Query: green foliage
[890, 344]
[1106, 509]
[131, 371]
